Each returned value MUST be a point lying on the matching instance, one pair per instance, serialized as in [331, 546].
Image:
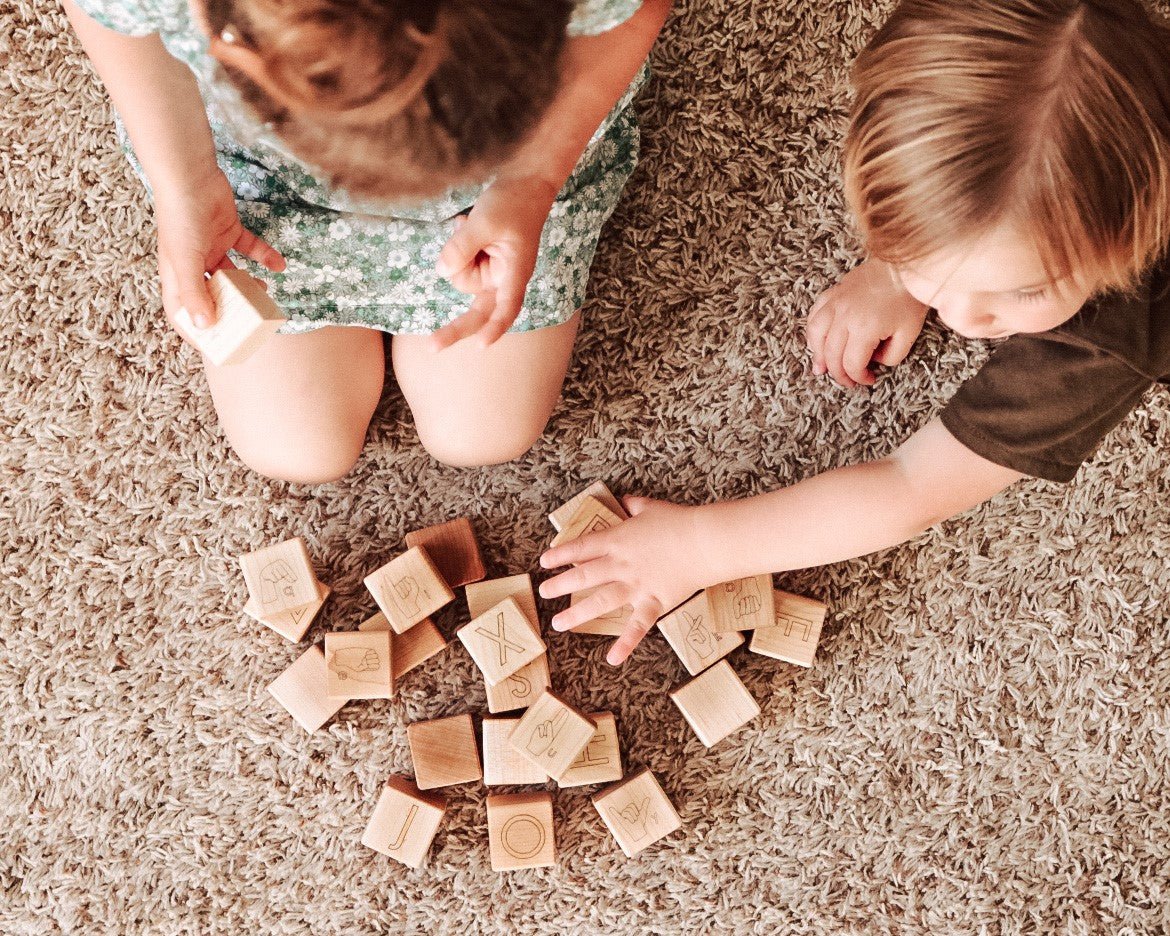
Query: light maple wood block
[501, 765]
[688, 631]
[360, 665]
[520, 831]
[408, 589]
[408, 650]
[303, 689]
[796, 634]
[501, 641]
[551, 734]
[592, 516]
[404, 822]
[482, 596]
[444, 752]
[598, 489]
[742, 605]
[611, 624]
[600, 761]
[246, 317]
[290, 624]
[453, 549]
[715, 703]
[637, 812]
[520, 689]
[280, 578]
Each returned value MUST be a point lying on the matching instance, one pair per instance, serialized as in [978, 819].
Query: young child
[1009, 163]
[343, 146]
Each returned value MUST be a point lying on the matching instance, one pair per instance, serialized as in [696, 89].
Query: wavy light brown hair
[1049, 115]
[395, 99]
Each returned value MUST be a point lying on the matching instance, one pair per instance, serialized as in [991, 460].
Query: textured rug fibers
[981, 746]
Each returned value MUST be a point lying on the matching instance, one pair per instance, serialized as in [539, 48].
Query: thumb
[635, 505]
[460, 251]
[193, 293]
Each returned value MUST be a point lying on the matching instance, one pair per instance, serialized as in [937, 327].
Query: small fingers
[256, 248]
[510, 290]
[466, 325]
[576, 579]
[575, 552]
[856, 357]
[639, 625]
[834, 353]
[635, 505]
[601, 602]
[193, 295]
[459, 251]
[894, 349]
[820, 320]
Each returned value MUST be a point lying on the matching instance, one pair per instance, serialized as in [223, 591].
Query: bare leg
[298, 409]
[484, 406]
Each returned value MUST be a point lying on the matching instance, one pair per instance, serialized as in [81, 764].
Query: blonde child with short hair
[1009, 164]
[381, 160]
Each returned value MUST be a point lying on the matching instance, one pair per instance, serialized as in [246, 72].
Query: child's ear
[229, 53]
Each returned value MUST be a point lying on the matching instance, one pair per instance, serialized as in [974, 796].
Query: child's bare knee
[475, 449]
[319, 461]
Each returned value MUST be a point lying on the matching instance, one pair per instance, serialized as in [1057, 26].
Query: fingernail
[542, 592]
[612, 659]
[558, 625]
[544, 563]
[201, 321]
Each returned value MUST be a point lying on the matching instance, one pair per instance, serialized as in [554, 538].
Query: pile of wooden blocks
[549, 739]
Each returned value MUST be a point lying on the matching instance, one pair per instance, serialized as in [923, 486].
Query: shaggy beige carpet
[981, 747]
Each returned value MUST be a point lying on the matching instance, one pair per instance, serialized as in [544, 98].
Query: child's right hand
[868, 317]
[197, 225]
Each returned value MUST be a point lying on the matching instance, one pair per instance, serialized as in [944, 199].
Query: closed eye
[1031, 295]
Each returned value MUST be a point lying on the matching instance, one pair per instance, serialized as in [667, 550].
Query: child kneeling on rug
[1009, 164]
[382, 159]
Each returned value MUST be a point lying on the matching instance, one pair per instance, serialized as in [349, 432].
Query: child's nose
[964, 314]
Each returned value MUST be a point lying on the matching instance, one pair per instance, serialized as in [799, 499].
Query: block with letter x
[501, 641]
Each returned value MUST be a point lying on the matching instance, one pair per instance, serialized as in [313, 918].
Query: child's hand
[867, 317]
[197, 226]
[648, 562]
[492, 255]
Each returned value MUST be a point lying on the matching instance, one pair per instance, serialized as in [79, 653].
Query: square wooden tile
[246, 317]
[404, 822]
[520, 689]
[482, 596]
[796, 634]
[408, 589]
[742, 605]
[600, 761]
[520, 831]
[280, 577]
[359, 664]
[453, 549]
[688, 631]
[444, 752]
[408, 650]
[592, 516]
[501, 765]
[501, 641]
[290, 624]
[637, 812]
[598, 490]
[551, 734]
[303, 689]
[716, 703]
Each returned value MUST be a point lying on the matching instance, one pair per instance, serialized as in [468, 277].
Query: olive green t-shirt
[1043, 402]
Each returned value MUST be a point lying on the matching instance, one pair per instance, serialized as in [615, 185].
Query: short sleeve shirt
[1043, 402]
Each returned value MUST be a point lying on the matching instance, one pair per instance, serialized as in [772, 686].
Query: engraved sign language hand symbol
[500, 638]
[699, 639]
[540, 742]
[747, 600]
[406, 595]
[353, 662]
[635, 818]
[278, 583]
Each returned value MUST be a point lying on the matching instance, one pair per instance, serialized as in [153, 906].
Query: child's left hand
[492, 255]
[648, 562]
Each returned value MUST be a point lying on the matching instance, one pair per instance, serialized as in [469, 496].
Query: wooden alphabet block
[520, 831]
[610, 624]
[290, 624]
[444, 752]
[408, 650]
[797, 631]
[360, 665]
[279, 578]
[520, 689]
[453, 549]
[637, 812]
[404, 822]
[303, 689]
[408, 589]
[600, 761]
[598, 489]
[716, 703]
[551, 734]
[688, 630]
[742, 605]
[592, 516]
[246, 318]
[501, 765]
[501, 641]
[484, 595]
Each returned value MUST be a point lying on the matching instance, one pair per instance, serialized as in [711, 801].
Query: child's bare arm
[665, 553]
